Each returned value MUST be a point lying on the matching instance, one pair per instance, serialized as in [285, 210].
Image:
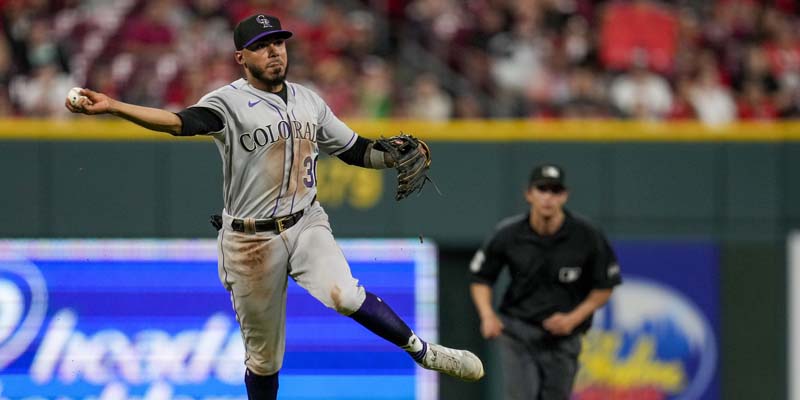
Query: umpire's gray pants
[536, 365]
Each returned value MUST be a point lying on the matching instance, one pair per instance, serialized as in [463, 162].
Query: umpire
[562, 269]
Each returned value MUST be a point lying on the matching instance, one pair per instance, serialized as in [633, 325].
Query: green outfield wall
[736, 185]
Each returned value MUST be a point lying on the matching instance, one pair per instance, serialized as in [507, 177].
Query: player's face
[266, 61]
[547, 200]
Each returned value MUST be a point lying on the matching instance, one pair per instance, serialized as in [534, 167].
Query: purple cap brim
[286, 35]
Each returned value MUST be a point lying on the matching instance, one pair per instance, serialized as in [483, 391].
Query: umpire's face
[265, 61]
[547, 200]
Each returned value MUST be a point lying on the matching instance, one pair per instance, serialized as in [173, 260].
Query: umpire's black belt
[278, 225]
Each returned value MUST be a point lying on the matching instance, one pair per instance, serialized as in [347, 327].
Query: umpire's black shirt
[548, 273]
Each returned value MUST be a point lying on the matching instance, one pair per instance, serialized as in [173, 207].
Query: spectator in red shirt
[682, 108]
[755, 104]
[628, 27]
[150, 34]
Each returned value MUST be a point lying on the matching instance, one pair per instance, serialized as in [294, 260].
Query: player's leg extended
[253, 268]
[318, 265]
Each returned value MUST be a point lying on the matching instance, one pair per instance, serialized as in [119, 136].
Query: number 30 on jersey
[311, 171]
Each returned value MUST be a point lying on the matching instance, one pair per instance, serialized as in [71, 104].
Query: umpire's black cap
[547, 174]
[256, 27]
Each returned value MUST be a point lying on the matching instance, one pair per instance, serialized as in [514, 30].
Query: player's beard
[261, 75]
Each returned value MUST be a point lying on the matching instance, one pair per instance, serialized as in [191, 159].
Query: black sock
[260, 387]
[375, 315]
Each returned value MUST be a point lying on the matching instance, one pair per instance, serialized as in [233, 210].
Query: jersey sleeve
[488, 261]
[199, 121]
[214, 102]
[605, 267]
[333, 136]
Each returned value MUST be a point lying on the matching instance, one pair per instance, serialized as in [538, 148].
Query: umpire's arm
[491, 325]
[605, 275]
[484, 268]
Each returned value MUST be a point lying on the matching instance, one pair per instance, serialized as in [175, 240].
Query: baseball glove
[412, 161]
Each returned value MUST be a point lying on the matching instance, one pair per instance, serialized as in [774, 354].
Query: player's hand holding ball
[86, 101]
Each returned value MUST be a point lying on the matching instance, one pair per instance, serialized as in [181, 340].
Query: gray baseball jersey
[269, 148]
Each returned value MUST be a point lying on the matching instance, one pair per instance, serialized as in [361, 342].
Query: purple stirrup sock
[379, 318]
[261, 387]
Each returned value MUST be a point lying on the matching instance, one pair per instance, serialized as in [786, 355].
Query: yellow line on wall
[103, 129]
[581, 130]
[99, 129]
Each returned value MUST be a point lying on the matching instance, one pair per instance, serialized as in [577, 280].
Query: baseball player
[269, 132]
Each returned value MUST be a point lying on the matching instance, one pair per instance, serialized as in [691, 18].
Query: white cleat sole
[461, 364]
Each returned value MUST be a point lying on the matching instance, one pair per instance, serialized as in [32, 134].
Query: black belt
[278, 225]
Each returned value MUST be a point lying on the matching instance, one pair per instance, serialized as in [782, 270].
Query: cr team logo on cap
[261, 19]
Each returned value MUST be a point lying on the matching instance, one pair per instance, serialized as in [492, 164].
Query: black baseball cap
[256, 27]
[547, 174]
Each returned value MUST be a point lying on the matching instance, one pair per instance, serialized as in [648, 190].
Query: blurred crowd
[716, 61]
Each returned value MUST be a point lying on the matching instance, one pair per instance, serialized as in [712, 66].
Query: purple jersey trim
[291, 208]
[277, 110]
[280, 190]
[277, 199]
[343, 148]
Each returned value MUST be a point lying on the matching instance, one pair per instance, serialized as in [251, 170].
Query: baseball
[75, 96]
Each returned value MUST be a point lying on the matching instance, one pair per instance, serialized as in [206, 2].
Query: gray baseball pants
[254, 268]
[536, 365]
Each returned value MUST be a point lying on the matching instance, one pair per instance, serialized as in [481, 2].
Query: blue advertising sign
[658, 336]
[148, 319]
